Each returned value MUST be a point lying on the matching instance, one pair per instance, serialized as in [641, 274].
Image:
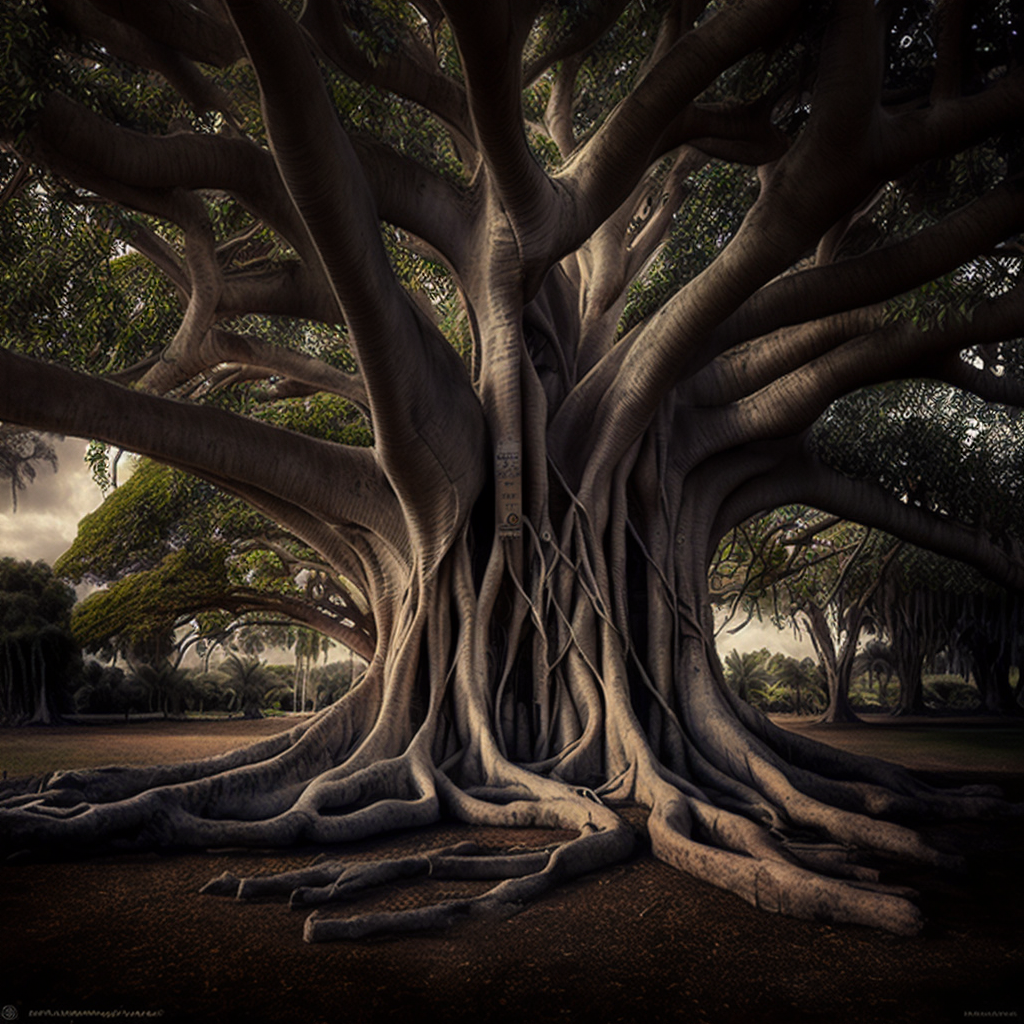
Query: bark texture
[532, 528]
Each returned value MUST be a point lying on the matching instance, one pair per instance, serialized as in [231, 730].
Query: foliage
[172, 552]
[776, 683]
[20, 450]
[947, 451]
[950, 693]
[500, 317]
[251, 685]
[332, 681]
[106, 689]
[38, 656]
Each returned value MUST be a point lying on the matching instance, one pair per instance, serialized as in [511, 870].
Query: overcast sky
[49, 508]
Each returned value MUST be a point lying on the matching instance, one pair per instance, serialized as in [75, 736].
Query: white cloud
[49, 508]
[755, 635]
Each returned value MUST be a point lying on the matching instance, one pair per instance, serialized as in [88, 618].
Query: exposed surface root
[522, 876]
[790, 827]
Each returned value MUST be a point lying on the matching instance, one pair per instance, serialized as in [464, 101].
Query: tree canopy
[38, 656]
[171, 551]
[509, 313]
[20, 451]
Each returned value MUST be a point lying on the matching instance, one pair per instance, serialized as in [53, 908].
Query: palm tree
[250, 683]
[747, 671]
[170, 686]
[879, 661]
[804, 680]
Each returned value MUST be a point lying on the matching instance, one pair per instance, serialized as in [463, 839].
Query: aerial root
[521, 874]
[816, 881]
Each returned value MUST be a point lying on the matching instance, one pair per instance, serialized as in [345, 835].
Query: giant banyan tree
[594, 273]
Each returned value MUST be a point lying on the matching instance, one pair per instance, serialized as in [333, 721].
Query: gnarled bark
[533, 535]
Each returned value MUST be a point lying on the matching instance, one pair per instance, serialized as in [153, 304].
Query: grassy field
[933, 744]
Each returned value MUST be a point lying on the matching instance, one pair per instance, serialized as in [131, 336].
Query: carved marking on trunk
[508, 475]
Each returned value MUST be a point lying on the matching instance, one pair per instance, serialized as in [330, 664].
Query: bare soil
[129, 937]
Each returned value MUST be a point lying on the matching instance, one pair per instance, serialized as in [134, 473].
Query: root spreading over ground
[789, 825]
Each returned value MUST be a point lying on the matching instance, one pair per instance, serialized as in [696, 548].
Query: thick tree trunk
[907, 620]
[532, 687]
[909, 666]
[532, 534]
[992, 672]
[836, 665]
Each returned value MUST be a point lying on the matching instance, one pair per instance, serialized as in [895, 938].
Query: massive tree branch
[605, 170]
[250, 351]
[180, 25]
[807, 480]
[334, 481]
[899, 350]
[1004, 389]
[420, 396]
[409, 196]
[79, 143]
[411, 72]
[879, 274]
[135, 45]
[583, 34]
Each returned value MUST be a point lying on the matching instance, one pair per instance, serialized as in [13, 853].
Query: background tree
[106, 689]
[601, 278]
[38, 656]
[249, 683]
[990, 631]
[878, 660]
[747, 671]
[815, 572]
[20, 450]
[803, 678]
[172, 553]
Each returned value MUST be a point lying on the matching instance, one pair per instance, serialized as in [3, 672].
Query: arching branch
[409, 70]
[329, 479]
[183, 26]
[899, 350]
[130, 43]
[862, 280]
[419, 393]
[587, 31]
[256, 353]
[605, 170]
[84, 146]
[807, 480]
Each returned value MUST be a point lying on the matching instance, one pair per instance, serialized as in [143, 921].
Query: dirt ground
[129, 937]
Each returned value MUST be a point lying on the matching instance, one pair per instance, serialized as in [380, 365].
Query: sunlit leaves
[144, 606]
